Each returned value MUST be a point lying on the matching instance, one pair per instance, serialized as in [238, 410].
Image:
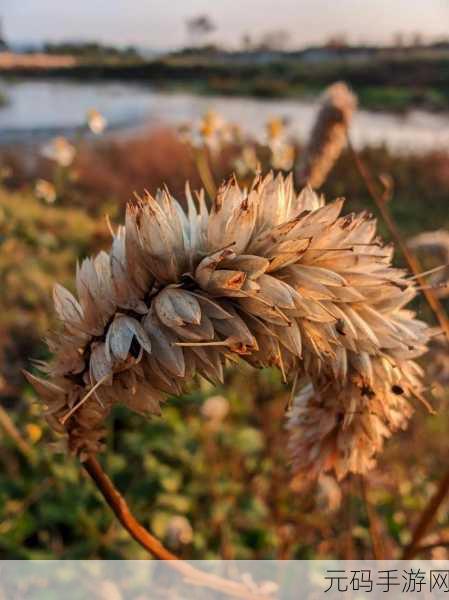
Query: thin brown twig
[409, 256]
[194, 576]
[429, 512]
[427, 516]
[11, 430]
[377, 544]
[427, 547]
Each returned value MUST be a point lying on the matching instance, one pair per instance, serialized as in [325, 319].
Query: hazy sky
[161, 23]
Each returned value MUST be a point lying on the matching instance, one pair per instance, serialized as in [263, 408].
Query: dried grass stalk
[328, 136]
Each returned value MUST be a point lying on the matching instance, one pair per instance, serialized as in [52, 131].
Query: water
[38, 110]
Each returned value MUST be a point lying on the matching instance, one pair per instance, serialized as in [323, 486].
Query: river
[39, 109]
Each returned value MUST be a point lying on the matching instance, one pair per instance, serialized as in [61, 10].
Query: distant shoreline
[389, 85]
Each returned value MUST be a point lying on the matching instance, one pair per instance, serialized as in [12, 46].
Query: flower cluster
[212, 131]
[265, 274]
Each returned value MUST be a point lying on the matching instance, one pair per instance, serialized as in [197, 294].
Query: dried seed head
[342, 426]
[328, 136]
[275, 277]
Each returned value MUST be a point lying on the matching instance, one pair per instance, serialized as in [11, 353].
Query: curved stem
[427, 516]
[373, 524]
[409, 256]
[193, 575]
[434, 503]
[427, 547]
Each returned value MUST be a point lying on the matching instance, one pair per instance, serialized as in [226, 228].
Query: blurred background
[98, 101]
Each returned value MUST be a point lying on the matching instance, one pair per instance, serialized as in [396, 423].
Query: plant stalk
[429, 513]
[409, 256]
[427, 517]
[124, 515]
[377, 544]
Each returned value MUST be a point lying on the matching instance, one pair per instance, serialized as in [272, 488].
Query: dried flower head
[341, 426]
[212, 131]
[60, 151]
[246, 163]
[45, 191]
[275, 128]
[282, 152]
[266, 274]
[282, 156]
[96, 122]
[328, 136]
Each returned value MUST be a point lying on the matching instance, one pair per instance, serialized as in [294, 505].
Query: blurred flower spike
[212, 131]
[246, 163]
[282, 152]
[60, 150]
[45, 190]
[96, 122]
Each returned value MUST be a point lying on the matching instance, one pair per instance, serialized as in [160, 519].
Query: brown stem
[376, 539]
[409, 256]
[429, 512]
[194, 576]
[427, 547]
[427, 516]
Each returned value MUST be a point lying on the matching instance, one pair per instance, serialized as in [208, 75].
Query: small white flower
[45, 191]
[60, 151]
[96, 122]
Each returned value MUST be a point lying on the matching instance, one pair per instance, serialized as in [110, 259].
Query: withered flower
[266, 274]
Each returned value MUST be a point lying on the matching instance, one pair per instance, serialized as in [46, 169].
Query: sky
[160, 24]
